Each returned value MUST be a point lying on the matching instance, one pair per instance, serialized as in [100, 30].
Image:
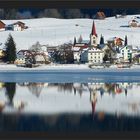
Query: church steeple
[93, 36]
[93, 32]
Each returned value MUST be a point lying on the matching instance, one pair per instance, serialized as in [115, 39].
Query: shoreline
[66, 68]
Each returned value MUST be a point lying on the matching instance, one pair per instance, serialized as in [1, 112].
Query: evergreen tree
[125, 43]
[74, 40]
[10, 50]
[80, 39]
[102, 40]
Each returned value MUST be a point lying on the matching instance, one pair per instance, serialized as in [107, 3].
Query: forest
[61, 13]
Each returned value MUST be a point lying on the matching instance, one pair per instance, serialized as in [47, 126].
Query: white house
[125, 53]
[95, 55]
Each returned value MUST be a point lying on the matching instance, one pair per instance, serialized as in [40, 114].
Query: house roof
[114, 38]
[85, 41]
[2, 22]
[18, 22]
[130, 47]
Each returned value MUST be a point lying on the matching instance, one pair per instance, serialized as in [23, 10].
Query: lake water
[64, 103]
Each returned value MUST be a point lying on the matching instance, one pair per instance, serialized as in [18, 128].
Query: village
[115, 51]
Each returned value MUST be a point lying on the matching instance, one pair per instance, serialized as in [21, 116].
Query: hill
[54, 31]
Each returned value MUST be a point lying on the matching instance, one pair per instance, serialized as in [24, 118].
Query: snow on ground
[57, 31]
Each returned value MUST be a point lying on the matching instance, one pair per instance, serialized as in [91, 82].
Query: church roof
[93, 32]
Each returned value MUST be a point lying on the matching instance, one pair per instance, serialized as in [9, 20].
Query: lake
[69, 102]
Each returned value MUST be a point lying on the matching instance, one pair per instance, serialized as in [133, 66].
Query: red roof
[93, 32]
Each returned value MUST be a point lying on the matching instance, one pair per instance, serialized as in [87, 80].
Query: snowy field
[57, 31]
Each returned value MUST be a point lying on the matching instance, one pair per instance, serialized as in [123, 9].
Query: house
[51, 49]
[115, 41]
[125, 53]
[9, 27]
[120, 16]
[100, 15]
[17, 26]
[77, 50]
[95, 55]
[134, 22]
[23, 56]
[41, 58]
[2, 25]
[109, 51]
[2, 53]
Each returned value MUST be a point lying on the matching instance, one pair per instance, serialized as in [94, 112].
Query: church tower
[93, 36]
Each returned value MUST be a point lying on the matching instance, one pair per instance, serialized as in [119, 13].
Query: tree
[36, 47]
[102, 40]
[125, 43]
[74, 40]
[80, 39]
[10, 50]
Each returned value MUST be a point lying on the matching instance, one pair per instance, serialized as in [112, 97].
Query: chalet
[2, 25]
[41, 58]
[100, 15]
[23, 55]
[115, 41]
[17, 26]
[134, 22]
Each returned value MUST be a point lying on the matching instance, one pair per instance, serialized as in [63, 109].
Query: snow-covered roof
[128, 46]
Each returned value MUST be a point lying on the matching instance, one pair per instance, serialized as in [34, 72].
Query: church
[89, 52]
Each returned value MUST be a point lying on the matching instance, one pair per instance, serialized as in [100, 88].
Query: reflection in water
[69, 106]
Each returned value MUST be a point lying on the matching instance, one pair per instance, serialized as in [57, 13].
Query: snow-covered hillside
[57, 31]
